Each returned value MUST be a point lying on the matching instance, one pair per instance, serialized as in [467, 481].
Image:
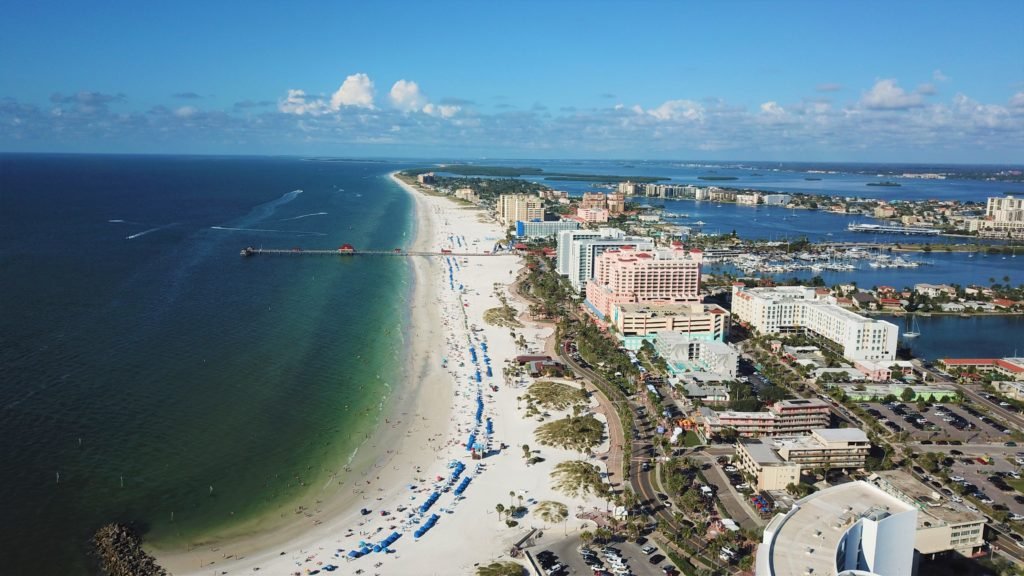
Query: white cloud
[442, 110]
[356, 90]
[406, 96]
[886, 95]
[829, 87]
[772, 108]
[678, 110]
[927, 89]
[938, 76]
[185, 112]
[296, 102]
[1017, 100]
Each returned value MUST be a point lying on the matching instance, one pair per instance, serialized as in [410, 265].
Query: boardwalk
[341, 252]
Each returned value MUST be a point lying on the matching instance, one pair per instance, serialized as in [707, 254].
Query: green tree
[907, 395]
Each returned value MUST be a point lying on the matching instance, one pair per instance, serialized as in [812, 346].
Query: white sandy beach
[427, 429]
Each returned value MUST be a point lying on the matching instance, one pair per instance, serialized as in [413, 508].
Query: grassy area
[1017, 485]
[580, 433]
[555, 396]
[691, 439]
[576, 478]
[502, 316]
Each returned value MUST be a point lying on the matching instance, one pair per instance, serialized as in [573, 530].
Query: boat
[700, 222]
[914, 331]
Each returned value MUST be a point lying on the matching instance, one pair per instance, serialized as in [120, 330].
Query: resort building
[684, 354]
[748, 199]
[638, 322]
[426, 178]
[513, 207]
[583, 252]
[802, 310]
[565, 238]
[770, 459]
[942, 525]
[1004, 218]
[544, 229]
[1008, 368]
[785, 417]
[854, 528]
[627, 275]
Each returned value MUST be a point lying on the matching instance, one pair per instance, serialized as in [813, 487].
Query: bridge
[349, 251]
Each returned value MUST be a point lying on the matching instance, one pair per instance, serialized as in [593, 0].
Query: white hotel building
[797, 309]
[578, 250]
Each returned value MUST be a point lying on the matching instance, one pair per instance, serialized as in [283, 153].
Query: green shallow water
[144, 371]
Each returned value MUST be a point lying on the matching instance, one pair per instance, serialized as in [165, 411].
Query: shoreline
[461, 460]
[337, 503]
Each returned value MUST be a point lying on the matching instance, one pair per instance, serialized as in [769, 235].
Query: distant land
[517, 171]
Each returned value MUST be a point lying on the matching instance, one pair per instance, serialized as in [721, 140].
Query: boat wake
[144, 232]
[304, 216]
[296, 232]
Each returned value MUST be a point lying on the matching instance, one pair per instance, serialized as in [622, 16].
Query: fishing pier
[348, 250]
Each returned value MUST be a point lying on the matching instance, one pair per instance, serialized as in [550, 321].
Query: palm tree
[586, 537]
[526, 450]
[500, 508]
[511, 495]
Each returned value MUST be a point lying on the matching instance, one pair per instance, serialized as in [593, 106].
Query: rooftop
[673, 309]
[841, 434]
[760, 452]
[806, 539]
[936, 509]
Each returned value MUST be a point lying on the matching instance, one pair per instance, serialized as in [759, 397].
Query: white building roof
[841, 434]
[806, 539]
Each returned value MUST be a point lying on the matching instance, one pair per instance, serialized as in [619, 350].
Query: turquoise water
[144, 361]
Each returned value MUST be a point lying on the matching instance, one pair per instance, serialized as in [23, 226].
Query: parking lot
[633, 558]
[940, 422]
[994, 481]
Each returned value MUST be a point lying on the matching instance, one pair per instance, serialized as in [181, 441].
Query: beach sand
[426, 428]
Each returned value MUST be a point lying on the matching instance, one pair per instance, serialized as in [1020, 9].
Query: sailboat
[914, 331]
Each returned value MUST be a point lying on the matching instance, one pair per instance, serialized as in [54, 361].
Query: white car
[730, 468]
[957, 478]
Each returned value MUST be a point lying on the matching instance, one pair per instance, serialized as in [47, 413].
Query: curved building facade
[852, 529]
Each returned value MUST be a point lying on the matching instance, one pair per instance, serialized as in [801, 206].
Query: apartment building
[801, 310]
[1004, 218]
[565, 239]
[513, 207]
[785, 417]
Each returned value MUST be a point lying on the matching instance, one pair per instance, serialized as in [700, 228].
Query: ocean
[150, 374]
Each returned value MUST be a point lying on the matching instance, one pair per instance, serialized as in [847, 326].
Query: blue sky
[887, 81]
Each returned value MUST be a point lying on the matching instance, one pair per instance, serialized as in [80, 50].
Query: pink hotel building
[628, 275]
